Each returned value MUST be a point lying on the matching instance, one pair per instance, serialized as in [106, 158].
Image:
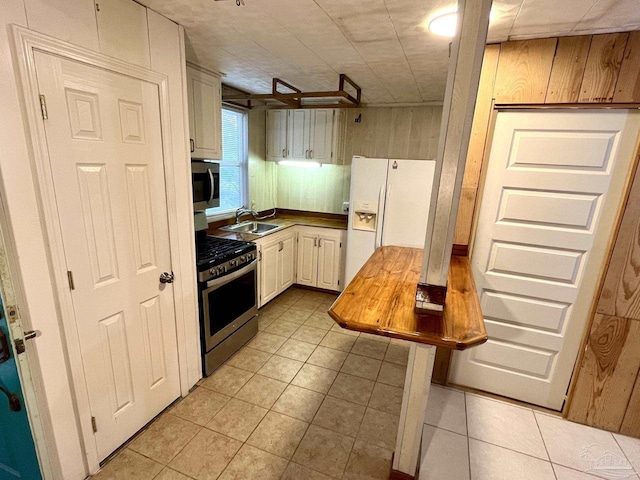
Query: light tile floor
[308, 400]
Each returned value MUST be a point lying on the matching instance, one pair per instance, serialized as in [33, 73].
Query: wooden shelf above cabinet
[381, 300]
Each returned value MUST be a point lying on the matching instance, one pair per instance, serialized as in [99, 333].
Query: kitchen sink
[254, 228]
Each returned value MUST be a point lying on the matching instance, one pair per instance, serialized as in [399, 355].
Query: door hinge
[43, 107]
[70, 278]
[338, 282]
[94, 425]
[260, 256]
[340, 244]
[19, 343]
[13, 313]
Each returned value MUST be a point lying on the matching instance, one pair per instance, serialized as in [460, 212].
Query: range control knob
[242, 258]
[233, 263]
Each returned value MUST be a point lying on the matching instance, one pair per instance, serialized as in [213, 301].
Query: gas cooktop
[218, 256]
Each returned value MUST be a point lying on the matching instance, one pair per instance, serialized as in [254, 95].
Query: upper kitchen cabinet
[205, 114]
[122, 31]
[277, 134]
[305, 135]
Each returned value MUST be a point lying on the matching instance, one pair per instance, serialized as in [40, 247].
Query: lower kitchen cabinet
[276, 264]
[320, 257]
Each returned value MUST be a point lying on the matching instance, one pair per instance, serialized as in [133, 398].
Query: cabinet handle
[319, 242]
[280, 246]
[306, 154]
[315, 241]
[192, 145]
[284, 153]
[310, 154]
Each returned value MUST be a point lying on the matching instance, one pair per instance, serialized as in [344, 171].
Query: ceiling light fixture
[299, 163]
[443, 22]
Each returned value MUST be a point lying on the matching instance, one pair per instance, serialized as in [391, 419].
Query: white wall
[74, 21]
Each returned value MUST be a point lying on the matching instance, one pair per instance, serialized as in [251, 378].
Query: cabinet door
[205, 115]
[277, 135]
[321, 139]
[307, 258]
[329, 261]
[122, 31]
[286, 261]
[298, 131]
[268, 271]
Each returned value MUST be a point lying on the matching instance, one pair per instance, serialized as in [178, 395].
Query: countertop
[381, 300]
[285, 221]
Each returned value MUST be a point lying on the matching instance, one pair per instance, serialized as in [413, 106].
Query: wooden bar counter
[381, 299]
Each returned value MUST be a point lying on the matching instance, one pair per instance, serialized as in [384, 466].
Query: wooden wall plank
[608, 373]
[400, 132]
[631, 422]
[621, 290]
[568, 69]
[628, 85]
[603, 67]
[524, 69]
[475, 153]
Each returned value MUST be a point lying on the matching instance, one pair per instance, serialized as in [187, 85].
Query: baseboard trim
[396, 475]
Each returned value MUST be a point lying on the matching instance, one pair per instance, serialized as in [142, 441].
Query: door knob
[166, 277]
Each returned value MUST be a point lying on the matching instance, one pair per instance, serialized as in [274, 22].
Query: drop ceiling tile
[543, 16]
[611, 14]
[503, 14]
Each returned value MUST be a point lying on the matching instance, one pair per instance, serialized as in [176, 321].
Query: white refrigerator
[388, 205]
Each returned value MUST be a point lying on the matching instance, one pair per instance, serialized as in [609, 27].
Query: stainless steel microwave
[205, 180]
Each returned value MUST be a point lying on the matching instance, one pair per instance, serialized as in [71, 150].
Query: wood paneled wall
[392, 132]
[594, 69]
[572, 71]
[606, 392]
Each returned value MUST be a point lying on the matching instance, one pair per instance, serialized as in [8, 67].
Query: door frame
[26, 42]
[606, 244]
[26, 363]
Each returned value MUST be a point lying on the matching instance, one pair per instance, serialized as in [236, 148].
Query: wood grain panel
[628, 85]
[568, 69]
[392, 132]
[631, 421]
[465, 215]
[621, 290]
[441, 365]
[603, 67]
[524, 69]
[607, 374]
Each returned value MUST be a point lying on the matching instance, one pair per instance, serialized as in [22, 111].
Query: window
[233, 167]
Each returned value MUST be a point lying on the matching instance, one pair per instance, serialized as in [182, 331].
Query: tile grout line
[546, 449]
[466, 424]
[625, 454]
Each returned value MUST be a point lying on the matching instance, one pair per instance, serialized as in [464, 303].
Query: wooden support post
[414, 404]
[460, 97]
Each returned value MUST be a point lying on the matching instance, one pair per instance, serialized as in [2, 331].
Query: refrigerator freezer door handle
[379, 217]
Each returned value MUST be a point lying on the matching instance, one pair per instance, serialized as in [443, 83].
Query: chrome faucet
[242, 211]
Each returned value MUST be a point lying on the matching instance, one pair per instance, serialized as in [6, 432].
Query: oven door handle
[213, 185]
[216, 282]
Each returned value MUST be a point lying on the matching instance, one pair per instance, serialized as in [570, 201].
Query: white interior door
[406, 212]
[554, 184]
[105, 148]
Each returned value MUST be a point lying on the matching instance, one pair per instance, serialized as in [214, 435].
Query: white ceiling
[380, 44]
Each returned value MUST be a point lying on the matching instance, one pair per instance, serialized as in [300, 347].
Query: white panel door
[205, 114]
[268, 271]
[307, 258]
[321, 139]
[105, 147]
[286, 261]
[277, 134]
[298, 130]
[406, 212]
[554, 183]
[329, 246]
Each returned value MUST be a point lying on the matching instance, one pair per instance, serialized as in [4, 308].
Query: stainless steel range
[227, 283]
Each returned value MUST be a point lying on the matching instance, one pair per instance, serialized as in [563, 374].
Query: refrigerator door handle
[379, 217]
